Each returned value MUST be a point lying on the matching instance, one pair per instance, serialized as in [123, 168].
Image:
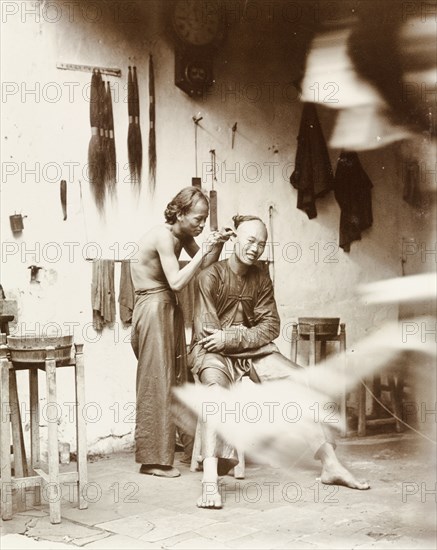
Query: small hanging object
[196, 181]
[213, 222]
[16, 221]
[34, 269]
[152, 133]
[234, 129]
[64, 198]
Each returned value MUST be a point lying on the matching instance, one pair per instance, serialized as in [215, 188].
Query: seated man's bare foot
[211, 497]
[336, 474]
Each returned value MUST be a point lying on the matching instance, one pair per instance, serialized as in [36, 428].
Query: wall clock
[197, 23]
[198, 30]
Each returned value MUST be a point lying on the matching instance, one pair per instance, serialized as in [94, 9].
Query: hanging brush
[152, 134]
[104, 132]
[111, 154]
[138, 138]
[94, 147]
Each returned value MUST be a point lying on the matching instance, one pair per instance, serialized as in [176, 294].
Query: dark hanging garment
[126, 296]
[352, 188]
[312, 176]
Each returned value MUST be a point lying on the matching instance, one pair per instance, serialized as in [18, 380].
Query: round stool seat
[323, 326]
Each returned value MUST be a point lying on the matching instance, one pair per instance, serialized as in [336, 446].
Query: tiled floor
[270, 509]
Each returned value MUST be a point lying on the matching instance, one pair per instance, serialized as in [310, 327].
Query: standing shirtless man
[158, 334]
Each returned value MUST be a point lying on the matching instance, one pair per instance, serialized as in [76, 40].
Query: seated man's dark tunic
[248, 348]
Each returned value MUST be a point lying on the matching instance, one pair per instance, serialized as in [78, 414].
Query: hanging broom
[138, 138]
[94, 147]
[152, 135]
[110, 154]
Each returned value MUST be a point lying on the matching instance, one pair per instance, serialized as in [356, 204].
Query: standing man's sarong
[158, 341]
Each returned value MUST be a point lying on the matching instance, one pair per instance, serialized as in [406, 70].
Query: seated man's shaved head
[251, 238]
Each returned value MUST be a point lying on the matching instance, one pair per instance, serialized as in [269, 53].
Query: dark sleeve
[205, 304]
[266, 323]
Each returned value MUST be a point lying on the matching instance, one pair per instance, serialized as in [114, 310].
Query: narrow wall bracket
[113, 71]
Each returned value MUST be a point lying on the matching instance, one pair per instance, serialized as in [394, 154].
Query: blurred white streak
[280, 415]
[400, 289]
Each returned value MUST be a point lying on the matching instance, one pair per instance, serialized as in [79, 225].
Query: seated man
[235, 323]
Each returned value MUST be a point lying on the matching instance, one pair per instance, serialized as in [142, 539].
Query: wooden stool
[53, 478]
[323, 330]
[394, 386]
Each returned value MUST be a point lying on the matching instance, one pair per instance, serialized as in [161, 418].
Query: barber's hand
[216, 239]
[226, 233]
[212, 241]
[215, 341]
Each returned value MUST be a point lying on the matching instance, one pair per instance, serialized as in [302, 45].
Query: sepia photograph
[218, 289]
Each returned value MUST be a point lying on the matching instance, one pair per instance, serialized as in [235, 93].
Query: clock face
[197, 22]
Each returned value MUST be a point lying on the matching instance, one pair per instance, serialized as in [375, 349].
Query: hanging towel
[352, 189]
[103, 293]
[312, 176]
[126, 297]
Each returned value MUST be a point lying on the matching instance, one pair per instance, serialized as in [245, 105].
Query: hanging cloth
[126, 297]
[312, 176]
[103, 294]
[352, 189]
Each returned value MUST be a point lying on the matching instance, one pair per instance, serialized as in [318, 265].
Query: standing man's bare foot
[159, 470]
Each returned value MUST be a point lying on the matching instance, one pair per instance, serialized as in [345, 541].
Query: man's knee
[214, 377]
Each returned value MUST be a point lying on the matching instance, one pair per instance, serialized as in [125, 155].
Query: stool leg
[54, 493]
[294, 336]
[20, 462]
[34, 429]
[399, 401]
[376, 407]
[80, 427]
[394, 400]
[343, 396]
[5, 441]
[239, 469]
[312, 350]
[361, 410]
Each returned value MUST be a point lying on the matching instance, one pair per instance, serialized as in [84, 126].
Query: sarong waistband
[165, 292]
[145, 292]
